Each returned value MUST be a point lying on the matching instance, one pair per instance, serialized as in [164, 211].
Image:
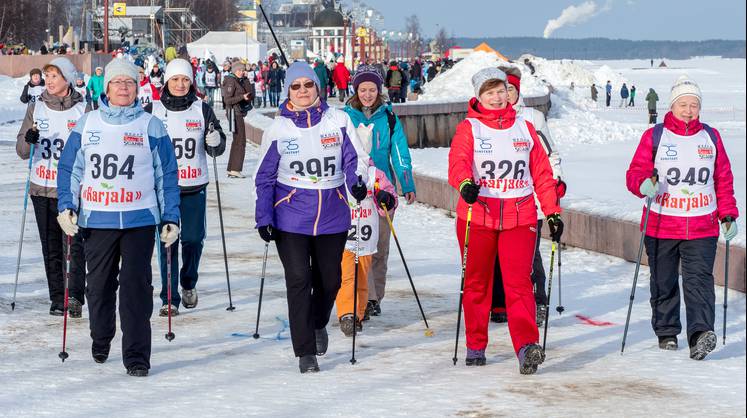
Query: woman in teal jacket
[389, 151]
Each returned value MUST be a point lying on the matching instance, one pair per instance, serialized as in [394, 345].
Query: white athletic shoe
[189, 298]
[235, 175]
[164, 311]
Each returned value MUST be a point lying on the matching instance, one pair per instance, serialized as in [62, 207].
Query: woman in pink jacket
[695, 193]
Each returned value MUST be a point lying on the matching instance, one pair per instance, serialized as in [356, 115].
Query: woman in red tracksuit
[502, 153]
[696, 191]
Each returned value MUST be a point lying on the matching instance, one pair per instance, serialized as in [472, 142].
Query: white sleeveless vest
[211, 79]
[501, 159]
[369, 215]
[118, 173]
[145, 94]
[187, 131]
[35, 92]
[685, 165]
[311, 158]
[54, 127]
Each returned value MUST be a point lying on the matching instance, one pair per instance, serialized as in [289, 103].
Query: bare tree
[443, 41]
[412, 26]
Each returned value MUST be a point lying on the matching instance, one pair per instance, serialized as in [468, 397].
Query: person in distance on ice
[537, 119]
[497, 165]
[307, 158]
[380, 191]
[195, 133]
[390, 154]
[694, 194]
[118, 174]
[47, 124]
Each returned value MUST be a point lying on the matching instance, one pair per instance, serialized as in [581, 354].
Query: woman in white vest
[118, 183]
[683, 167]
[307, 164]
[497, 164]
[47, 124]
[537, 119]
[34, 88]
[80, 86]
[147, 93]
[196, 134]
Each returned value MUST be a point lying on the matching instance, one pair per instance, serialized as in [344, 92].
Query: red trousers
[515, 250]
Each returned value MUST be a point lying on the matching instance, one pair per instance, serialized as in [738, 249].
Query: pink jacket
[680, 227]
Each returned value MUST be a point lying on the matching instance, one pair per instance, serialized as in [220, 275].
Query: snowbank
[560, 73]
[456, 83]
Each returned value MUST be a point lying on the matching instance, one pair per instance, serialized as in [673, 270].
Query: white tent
[228, 44]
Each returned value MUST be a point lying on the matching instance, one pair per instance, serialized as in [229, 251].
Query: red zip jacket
[498, 213]
[684, 227]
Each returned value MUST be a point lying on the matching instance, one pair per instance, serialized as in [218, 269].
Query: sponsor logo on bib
[42, 124]
[93, 137]
[691, 202]
[187, 172]
[109, 195]
[71, 124]
[521, 144]
[504, 185]
[484, 146]
[133, 139]
[705, 152]
[45, 173]
[193, 125]
[290, 147]
[671, 152]
[330, 140]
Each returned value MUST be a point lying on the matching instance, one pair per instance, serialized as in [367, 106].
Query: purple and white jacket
[306, 160]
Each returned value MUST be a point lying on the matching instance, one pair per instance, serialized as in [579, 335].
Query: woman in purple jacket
[306, 160]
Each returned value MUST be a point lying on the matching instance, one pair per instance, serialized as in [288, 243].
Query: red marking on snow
[588, 321]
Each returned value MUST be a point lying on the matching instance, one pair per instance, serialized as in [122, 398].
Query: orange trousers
[344, 299]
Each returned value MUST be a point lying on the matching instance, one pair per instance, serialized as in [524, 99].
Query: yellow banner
[119, 9]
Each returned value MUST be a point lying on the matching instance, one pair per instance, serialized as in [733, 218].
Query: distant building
[330, 35]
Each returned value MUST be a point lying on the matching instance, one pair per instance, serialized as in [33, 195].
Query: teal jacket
[96, 86]
[387, 152]
[321, 73]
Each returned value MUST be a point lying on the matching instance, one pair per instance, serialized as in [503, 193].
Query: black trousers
[121, 258]
[313, 274]
[53, 242]
[696, 258]
[538, 277]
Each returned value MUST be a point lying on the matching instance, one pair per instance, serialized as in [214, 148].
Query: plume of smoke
[574, 14]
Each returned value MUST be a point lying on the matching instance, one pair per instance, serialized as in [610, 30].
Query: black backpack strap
[392, 121]
[658, 130]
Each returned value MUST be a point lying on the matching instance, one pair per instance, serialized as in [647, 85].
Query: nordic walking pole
[726, 286]
[428, 331]
[261, 290]
[655, 176]
[23, 224]
[355, 274]
[169, 335]
[222, 231]
[560, 307]
[461, 286]
[549, 291]
[272, 31]
[68, 260]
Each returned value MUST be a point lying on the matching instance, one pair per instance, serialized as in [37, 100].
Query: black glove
[266, 233]
[385, 198]
[32, 136]
[556, 226]
[469, 191]
[359, 190]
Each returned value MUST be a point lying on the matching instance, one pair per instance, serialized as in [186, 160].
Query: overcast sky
[625, 19]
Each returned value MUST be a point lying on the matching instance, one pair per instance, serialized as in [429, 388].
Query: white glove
[169, 234]
[68, 221]
[364, 132]
[212, 139]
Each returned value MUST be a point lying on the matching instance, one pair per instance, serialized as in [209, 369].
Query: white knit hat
[117, 67]
[66, 68]
[179, 66]
[684, 86]
[484, 75]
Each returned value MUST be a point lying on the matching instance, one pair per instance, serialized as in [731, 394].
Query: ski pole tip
[63, 355]
[170, 336]
[231, 308]
[428, 333]
[255, 336]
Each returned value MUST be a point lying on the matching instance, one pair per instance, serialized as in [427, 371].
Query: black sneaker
[57, 309]
[668, 343]
[376, 308]
[369, 310]
[308, 364]
[347, 325]
[530, 356]
[703, 343]
[499, 317]
[137, 370]
[100, 354]
[74, 308]
[322, 342]
[475, 358]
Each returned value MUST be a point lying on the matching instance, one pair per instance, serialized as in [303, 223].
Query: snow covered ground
[215, 368]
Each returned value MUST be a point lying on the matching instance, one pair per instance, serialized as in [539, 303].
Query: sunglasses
[309, 84]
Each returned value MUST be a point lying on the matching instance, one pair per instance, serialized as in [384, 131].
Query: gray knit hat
[66, 68]
[484, 75]
[117, 67]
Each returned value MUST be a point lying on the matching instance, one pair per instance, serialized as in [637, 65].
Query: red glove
[560, 188]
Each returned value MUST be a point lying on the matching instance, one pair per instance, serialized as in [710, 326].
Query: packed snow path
[215, 368]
